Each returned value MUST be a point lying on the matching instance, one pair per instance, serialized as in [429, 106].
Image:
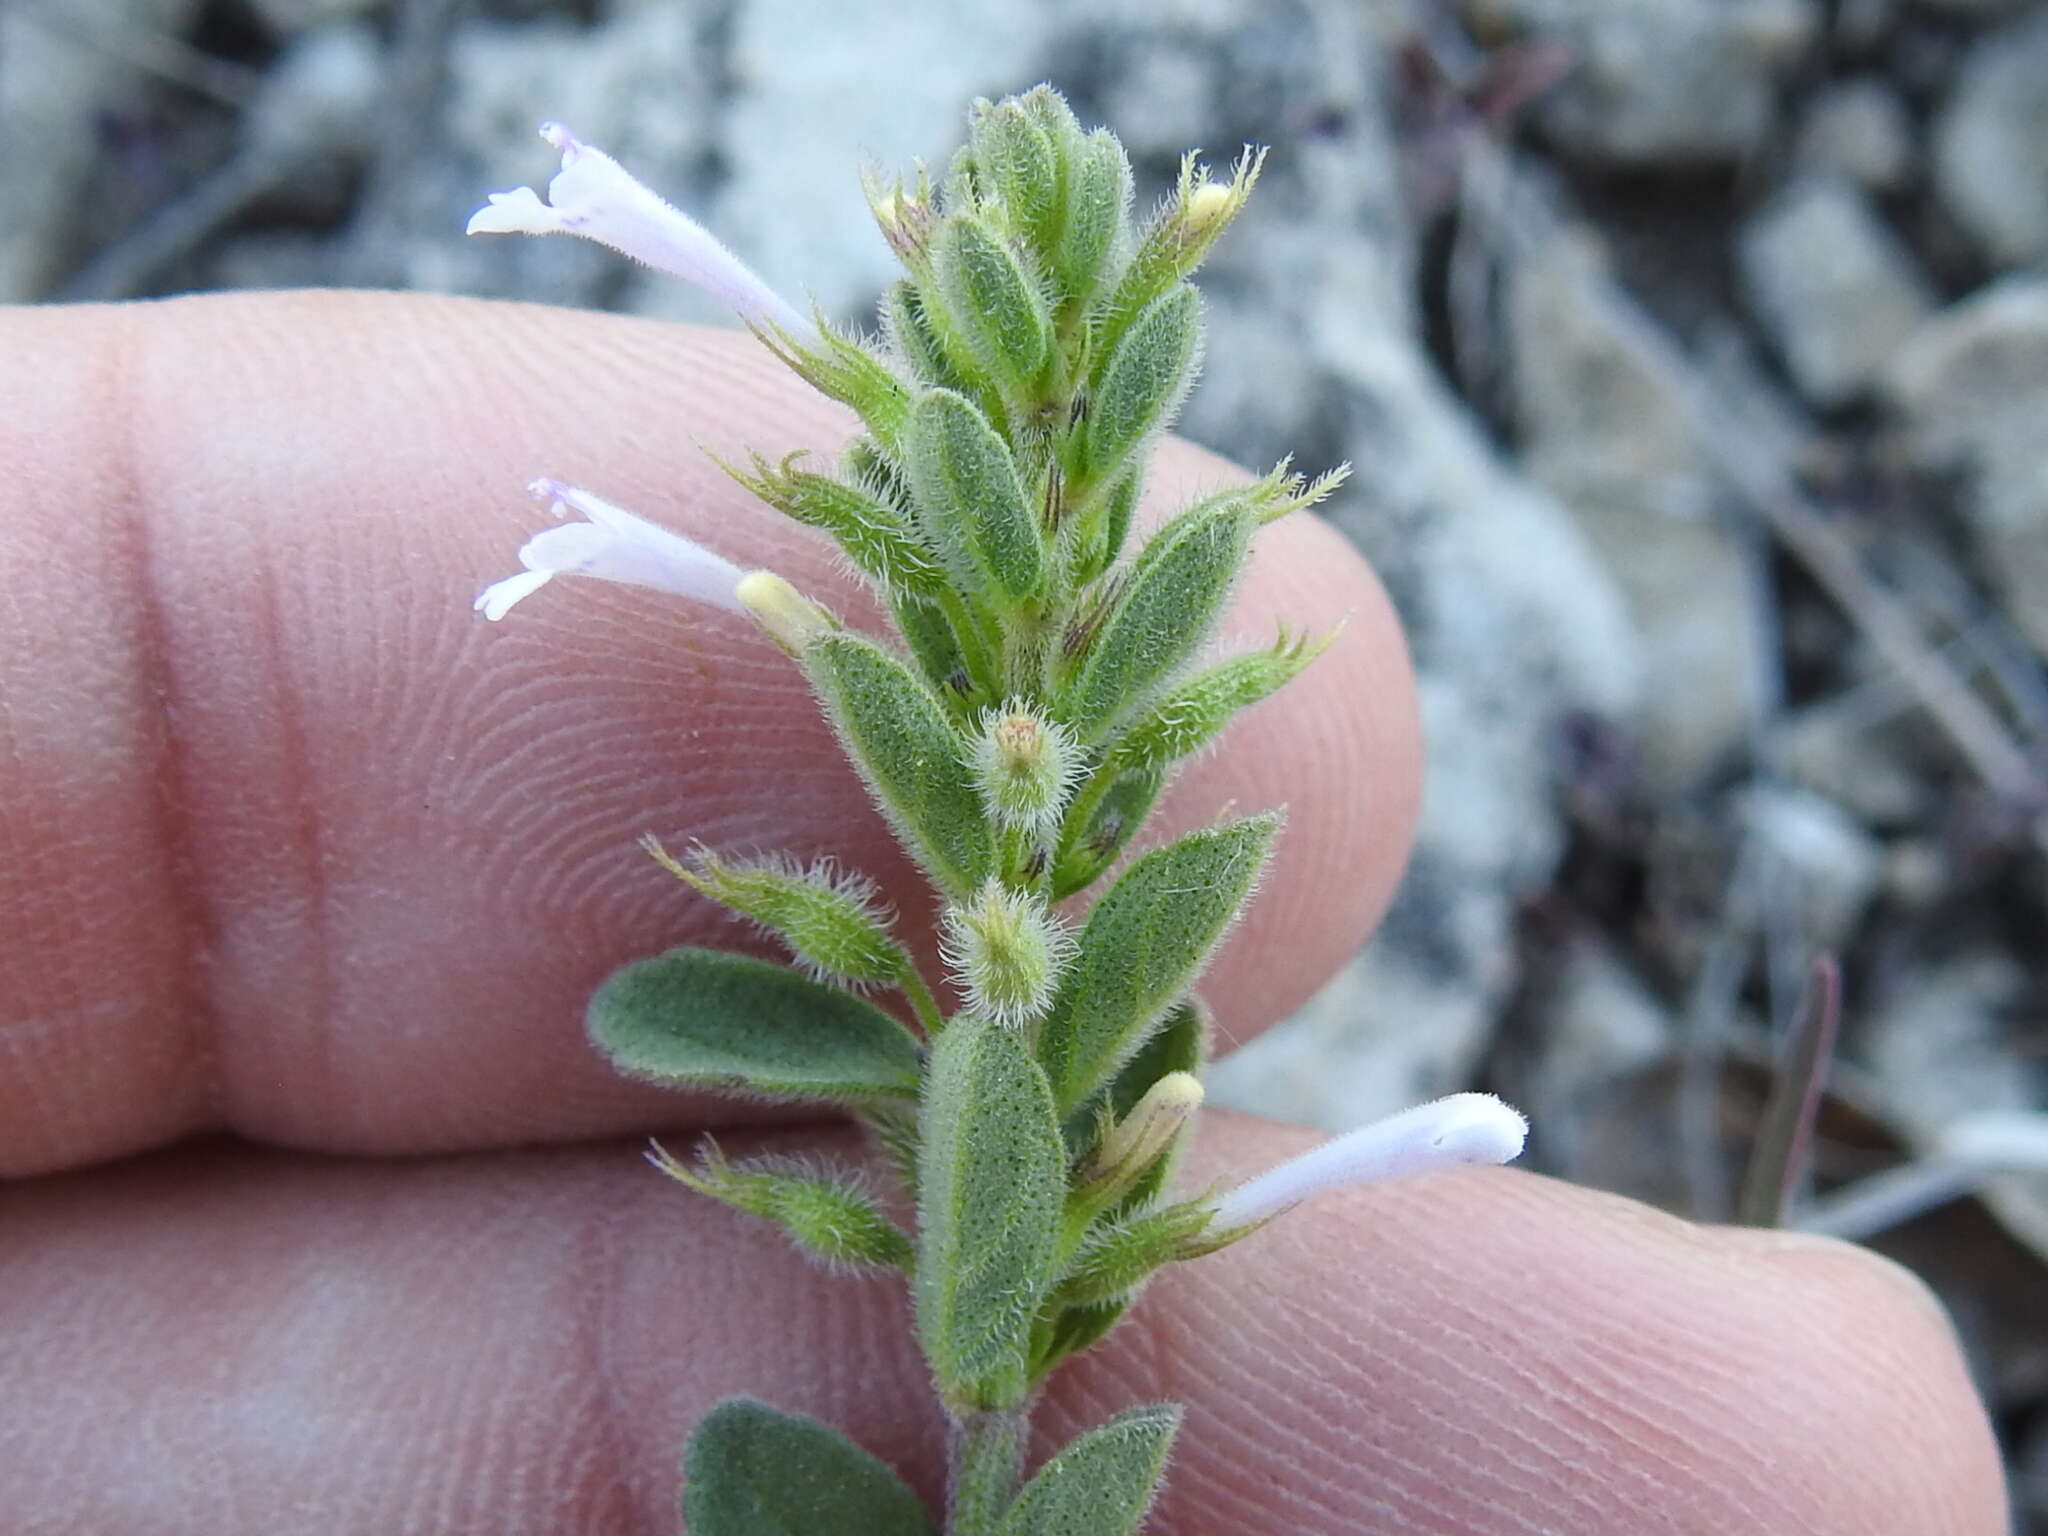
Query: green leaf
[1174, 244]
[932, 642]
[1164, 615]
[1143, 945]
[1108, 523]
[1142, 383]
[991, 1176]
[828, 1214]
[913, 761]
[752, 1470]
[1017, 161]
[910, 329]
[991, 302]
[831, 921]
[1195, 711]
[1099, 831]
[970, 500]
[1098, 197]
[1101, 1484]
[702, 1019]
[876, 536]
[846, 371]
[1120, 1255]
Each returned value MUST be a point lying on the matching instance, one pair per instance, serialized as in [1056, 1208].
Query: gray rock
[792, 204]
[1976, 8]
[1858, 129]
[285, 18]
[1825, 866]
[1596, 1024]
[1604, 430]
[1861, 25]
[320, 96]
[1835, 290]
[55, 81]
[1947, 1048]
[1971, 388]
[1858, 763]
[1664, 82]
[1991, 143]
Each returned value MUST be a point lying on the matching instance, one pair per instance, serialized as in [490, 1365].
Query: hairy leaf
[913, 760]
[703, 1019]
[1164, 614]
[991, 302]
[1142, 383]
[1142, 946]
[752, 1470]
[1101, 1484]
[970, 501]
[991, 1174]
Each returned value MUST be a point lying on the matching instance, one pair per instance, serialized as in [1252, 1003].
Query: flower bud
[1026, 768]
[1006, 952]
[792, 620]
[1141, 1137]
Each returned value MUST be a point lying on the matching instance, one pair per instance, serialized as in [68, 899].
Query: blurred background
[1693, 355]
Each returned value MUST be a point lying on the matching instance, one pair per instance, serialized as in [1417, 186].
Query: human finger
[295, 845]
[224, 1341]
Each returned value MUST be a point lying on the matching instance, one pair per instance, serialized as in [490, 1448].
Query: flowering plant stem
[987, 1449]
[1037, 689]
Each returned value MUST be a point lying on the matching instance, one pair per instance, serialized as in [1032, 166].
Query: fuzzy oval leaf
[1098, 197]
[991, 302]
[752, 1470]
[970, 501]
[1101, 1484]
[704, 1019]
[899, 739]
[1018, 158]
[1142, 384]
[991, 1184]
[1143, 945]
[1175, 595]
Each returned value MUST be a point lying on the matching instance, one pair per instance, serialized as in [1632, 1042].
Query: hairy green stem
[922, 1003]
[988, 1447]
[976, 649]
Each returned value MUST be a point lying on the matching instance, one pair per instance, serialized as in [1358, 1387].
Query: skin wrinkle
[1420, 1496]
[179, 1006]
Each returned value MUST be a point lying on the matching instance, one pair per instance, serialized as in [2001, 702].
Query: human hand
[299, 852]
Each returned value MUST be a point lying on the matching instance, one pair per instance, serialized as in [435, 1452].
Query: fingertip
[1488, 1350]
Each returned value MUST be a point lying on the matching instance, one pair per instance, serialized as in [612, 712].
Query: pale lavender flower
[593, 196]
[1459, 1131]
[613, 545]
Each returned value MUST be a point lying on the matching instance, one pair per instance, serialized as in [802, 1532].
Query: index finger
[296, 846]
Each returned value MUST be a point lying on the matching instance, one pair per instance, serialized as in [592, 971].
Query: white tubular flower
[613, 545]
[593, 196]
[1462, 1130]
